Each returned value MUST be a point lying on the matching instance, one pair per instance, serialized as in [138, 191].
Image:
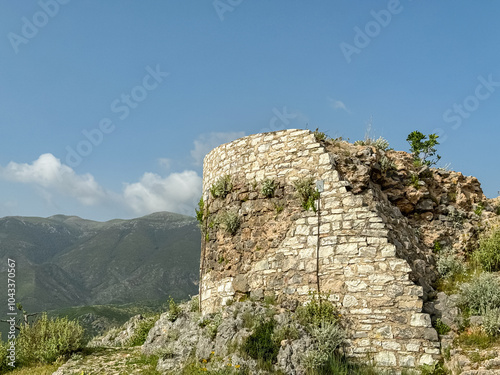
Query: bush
[440, 327]
[200, 213]
[328, 338]
[422, 148]
[481, 294]
[491, 322]
[4, 361]
[381, 144]
[318, 311]
[307, 193]
[229, 220]
[320, 136]
[386, 164]
[45, 340]
[488, 254]
[141, 332]
[268, 187]
[260, 345]
[449, 264]
[174, 310]
[222, 187]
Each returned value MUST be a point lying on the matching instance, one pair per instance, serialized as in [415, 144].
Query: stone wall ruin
[357, 247]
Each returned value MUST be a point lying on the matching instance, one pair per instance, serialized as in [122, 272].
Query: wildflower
[204, 360]
[237, 366]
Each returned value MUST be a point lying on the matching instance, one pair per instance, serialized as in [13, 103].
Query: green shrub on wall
[268, 187]
[222, 187]
[307, 192]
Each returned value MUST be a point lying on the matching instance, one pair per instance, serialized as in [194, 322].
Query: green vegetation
[440, 327]
[200, 213]
[423, 149]
[481, 294]
[77, 263]
[488, 254]
[437, 247]
[307, 192]
[268, 187]
[279, 207]
[174, 310]
[229, 220]
[320, 136]
[317, 311]
[449, 265]
[386, 164]
[479, 208]
[262, 346]
[380, 143]
[475, 338]
[222, 187]
[141, 332]
[491, 322]
[415, 181]
[45, 340]
[340, 365]
[147, 364]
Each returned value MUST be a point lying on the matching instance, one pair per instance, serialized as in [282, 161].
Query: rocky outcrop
[213, 341]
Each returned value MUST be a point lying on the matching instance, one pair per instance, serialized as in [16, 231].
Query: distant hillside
[65, 261]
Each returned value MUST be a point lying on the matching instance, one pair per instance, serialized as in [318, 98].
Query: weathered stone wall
[355, 247]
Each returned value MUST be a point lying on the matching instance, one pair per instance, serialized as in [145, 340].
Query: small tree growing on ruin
[423, 149]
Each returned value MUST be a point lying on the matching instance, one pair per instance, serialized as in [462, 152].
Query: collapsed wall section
[280, 250]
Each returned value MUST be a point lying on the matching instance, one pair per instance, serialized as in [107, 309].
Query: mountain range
[64, 261]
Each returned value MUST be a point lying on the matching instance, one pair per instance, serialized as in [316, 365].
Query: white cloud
[48, 173]
[206, 142]
[177, 192]
[338, 104]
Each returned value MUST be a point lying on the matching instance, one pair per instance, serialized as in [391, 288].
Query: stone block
[391, 345]
[384, 332]
[380, 279]
[356, 286]
[426, 359]
[348, 249]
[388, 251]
[407, 361]
[385, 359]
[350, 301]
[420, 320]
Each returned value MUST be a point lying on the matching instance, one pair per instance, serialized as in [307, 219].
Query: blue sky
[108, 107]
